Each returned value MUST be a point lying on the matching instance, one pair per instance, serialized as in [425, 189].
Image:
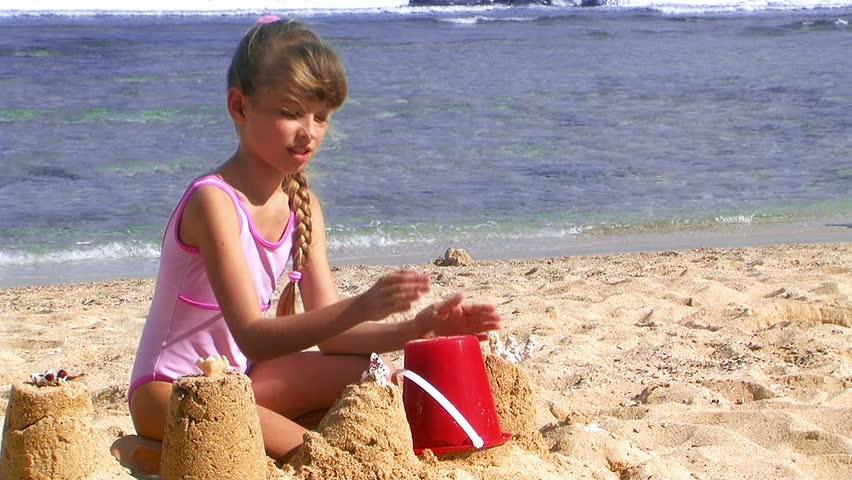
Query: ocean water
[506, 130]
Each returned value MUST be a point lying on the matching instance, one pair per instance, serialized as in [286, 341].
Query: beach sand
[714, 363]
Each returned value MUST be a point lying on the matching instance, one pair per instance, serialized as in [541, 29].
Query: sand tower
[514, 399]
[212, 430]
[48, 433]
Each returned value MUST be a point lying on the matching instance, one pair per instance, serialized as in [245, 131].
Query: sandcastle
[212, 430]
[48, 432]
[514, 400]
[364, 436]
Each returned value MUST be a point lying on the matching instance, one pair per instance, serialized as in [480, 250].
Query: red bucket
[454, 366]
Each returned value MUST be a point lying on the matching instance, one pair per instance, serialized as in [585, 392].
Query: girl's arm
[446, 318]
[210, 222]
[319, 290]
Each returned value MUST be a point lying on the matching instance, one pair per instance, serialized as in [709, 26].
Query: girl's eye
[321, 119]
[289, 114]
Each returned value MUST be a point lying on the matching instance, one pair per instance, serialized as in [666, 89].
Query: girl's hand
[452, 317]
[393, 293]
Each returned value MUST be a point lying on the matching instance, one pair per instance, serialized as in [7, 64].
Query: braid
[296, 186]
[276, 53]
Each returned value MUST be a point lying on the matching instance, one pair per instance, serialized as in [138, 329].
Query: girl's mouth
[300, 154]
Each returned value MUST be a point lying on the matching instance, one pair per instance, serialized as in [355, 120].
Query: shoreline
[723, 363]
[825, 230]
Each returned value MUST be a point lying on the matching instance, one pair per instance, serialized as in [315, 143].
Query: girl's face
[282, 130]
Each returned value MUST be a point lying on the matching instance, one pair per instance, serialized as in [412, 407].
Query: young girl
[229, 240]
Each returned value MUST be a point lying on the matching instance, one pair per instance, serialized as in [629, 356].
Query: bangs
[312, 71]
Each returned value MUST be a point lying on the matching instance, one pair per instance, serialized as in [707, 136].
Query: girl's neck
[257, 185]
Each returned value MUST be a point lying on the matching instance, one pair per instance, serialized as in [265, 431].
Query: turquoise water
[515, 131]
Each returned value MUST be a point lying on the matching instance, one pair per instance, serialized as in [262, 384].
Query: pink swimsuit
[184, 322]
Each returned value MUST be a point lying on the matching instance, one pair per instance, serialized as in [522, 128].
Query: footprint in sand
[739, 391]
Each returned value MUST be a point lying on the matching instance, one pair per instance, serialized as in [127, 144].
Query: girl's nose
[308, 127]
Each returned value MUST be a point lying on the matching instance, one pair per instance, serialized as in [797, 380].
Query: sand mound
[803, 314]
[48, 434]
[363, 437]
[514, 400]
[212, 430]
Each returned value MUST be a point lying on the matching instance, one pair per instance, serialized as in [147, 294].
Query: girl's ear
[236, 105]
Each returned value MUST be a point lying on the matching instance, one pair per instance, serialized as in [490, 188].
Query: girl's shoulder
[211, 187]
[210, 205]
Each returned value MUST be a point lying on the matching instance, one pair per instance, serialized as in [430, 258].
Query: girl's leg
[148, 408]
[297, 386]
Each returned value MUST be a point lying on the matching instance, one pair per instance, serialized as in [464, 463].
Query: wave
[694, 7]
[379, 239]
[476, 19]
[15, 8]
[190, 7]
[83, 253]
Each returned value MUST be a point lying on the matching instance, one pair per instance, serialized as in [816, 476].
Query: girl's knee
[149, 407]
[306, 382]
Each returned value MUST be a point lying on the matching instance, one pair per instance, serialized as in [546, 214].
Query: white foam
[467, 14]
[108, 251]
[679, 7]
[464, 20]
[382, 240]
[210, 7]
[473, 20]
[735, 219]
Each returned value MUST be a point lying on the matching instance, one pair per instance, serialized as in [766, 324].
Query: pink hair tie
[267, 19]
[295, 276]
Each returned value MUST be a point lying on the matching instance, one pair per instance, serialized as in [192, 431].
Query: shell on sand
[48, 434]
[212, 430]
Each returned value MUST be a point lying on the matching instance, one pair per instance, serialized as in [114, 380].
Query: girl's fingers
[480, 309]
[490, 326]
[450, 303]
[482, 331]
[402, 300]
[408, 280]
[408, 294]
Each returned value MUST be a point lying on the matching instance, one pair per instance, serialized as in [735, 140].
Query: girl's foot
[141, 455]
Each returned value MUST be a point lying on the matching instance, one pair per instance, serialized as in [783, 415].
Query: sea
[510, 129]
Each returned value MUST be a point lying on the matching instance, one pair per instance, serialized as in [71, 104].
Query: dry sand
[689, 364]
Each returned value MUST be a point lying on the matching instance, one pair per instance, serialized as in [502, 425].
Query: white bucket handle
[442, 400]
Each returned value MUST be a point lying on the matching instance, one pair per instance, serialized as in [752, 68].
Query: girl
[230, 238]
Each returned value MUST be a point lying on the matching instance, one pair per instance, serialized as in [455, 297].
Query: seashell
[51, 378]
[510, 350]
[377, 371]
[530, 346]
[213, 366]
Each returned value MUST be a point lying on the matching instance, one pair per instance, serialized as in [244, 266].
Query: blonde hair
[287, 53]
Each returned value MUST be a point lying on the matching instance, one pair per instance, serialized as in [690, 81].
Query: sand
[44, 424]
[212, 430]
[690, 364]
